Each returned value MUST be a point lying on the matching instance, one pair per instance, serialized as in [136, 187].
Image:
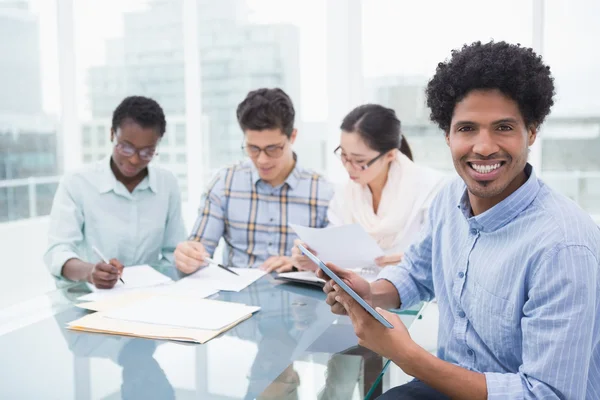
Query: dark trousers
[414, 390]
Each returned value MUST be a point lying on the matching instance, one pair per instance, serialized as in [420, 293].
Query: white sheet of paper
[347, 246]
[180, 312]
[218, 278]
[135, 277]
[165, 289]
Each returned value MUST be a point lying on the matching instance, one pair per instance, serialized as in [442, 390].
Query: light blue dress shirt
[92, 208]
[518, 289]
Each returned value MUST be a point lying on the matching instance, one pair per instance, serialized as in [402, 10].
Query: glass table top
[292, 348]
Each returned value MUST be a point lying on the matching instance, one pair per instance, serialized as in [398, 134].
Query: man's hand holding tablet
[395, 343]
[341, 286]
[352, 279]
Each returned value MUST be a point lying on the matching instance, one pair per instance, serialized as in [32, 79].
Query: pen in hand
[104, 259]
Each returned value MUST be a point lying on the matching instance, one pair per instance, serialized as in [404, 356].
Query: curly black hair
[516, 71]
[266, 109]
[142, 110]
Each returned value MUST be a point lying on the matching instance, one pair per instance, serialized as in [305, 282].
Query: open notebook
[185, 318]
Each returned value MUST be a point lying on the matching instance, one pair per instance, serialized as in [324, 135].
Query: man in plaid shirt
[251, 204]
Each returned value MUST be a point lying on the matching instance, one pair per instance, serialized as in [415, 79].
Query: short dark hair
[267, 109]
[516, 71]
[378, 127]
[142, 110]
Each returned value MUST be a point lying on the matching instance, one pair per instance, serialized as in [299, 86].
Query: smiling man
[251, 204]
[514, 265]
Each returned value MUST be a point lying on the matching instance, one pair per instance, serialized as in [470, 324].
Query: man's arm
[452, 380]
[557, 326]
[384, 294]
[210, 224]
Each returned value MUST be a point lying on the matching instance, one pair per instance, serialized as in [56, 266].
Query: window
[137, 47]
[180, 138]
[570, 137]
[87, 138]
[102, 138]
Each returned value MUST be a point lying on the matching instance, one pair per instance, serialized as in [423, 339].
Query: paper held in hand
[347, 246]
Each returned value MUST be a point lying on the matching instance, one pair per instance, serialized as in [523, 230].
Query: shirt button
[461, 314]
[470, 352]
[270, 243]
[271, 219]
[473, 231]
[461, 274]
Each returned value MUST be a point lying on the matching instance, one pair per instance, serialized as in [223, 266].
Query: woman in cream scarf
[387, 194]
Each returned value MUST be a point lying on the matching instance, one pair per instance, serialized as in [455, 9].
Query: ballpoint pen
[213, 262]
[104, 259]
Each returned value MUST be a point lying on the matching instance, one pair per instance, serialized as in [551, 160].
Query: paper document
[99, 322]
[219, 279]
[347, 246]
[135, 277]
[131, 296]
[96, 323]
[309, 277]
[181, 312]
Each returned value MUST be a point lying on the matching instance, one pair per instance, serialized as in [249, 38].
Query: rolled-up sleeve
[558, 330]
[65, 232]
[413, 277]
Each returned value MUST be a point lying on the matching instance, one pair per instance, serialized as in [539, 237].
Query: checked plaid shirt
[253, 216]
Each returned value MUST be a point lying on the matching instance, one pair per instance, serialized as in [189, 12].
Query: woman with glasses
[387, 193]
[120, 207]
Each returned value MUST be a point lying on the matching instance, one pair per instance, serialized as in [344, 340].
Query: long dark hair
[379, 127]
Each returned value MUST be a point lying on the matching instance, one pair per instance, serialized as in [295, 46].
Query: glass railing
[27, 198]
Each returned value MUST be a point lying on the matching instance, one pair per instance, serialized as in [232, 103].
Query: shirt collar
[292, 179]
[505, 211]
[107, 180]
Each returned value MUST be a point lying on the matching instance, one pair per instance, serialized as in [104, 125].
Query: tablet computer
[344, 286]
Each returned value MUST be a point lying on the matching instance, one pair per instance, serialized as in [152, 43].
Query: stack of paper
[170, 317]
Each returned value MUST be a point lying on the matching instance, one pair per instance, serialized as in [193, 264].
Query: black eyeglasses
[357, 166]
[273, 151]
